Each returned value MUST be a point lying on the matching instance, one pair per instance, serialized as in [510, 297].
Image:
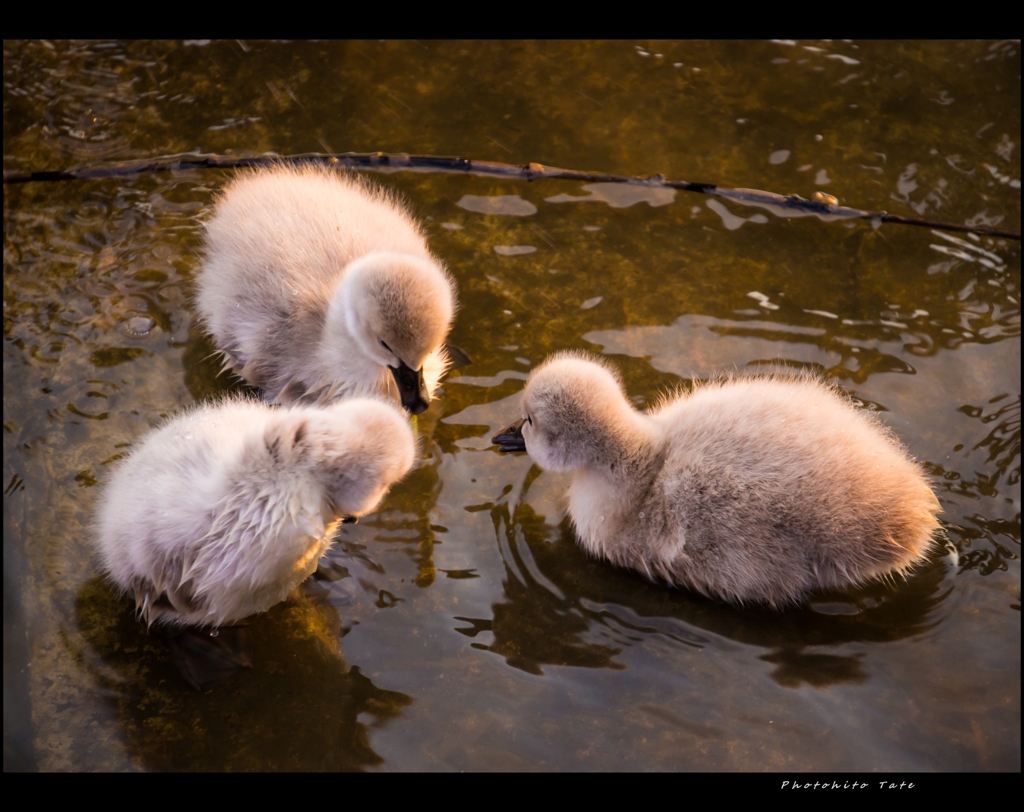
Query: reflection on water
[562, 608]
[618, 196]
[535, 624]
[461, 626]
[301, 699]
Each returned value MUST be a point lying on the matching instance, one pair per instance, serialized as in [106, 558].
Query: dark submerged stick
[821, 205]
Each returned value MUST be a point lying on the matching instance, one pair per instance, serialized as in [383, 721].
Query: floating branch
[824, 206]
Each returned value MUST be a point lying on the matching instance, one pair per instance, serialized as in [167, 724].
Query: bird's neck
[341, 356]
[605, 492]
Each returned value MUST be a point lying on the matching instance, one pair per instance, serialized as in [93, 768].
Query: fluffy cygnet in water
[316, 284]
[756, 489]
[218, 514]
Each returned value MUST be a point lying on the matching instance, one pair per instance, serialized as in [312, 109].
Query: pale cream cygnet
[221, 512]
[755, 489]
[316, 284]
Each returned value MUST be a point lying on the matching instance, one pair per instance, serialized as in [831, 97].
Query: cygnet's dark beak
[411, 387]
[510, 438]
[350, 520]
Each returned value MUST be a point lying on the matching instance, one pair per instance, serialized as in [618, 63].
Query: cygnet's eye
[385, 346]
[529, 420]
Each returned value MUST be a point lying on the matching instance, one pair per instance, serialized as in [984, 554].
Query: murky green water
[460, 627]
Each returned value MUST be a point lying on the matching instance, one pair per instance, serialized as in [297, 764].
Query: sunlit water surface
[460, 627]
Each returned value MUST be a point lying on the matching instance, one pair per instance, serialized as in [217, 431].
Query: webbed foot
[207, 657]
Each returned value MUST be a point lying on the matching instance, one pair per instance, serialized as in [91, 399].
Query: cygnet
[752, 489]
[316, 284]
[221, 512]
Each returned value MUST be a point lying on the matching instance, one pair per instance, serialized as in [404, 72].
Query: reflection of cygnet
[218, 514]
[754, 489]
[315, 284]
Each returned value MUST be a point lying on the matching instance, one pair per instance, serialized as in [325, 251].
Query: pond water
[460, 627]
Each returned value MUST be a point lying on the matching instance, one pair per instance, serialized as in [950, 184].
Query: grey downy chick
[316, 284]
[221, 512]
[756, 489]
